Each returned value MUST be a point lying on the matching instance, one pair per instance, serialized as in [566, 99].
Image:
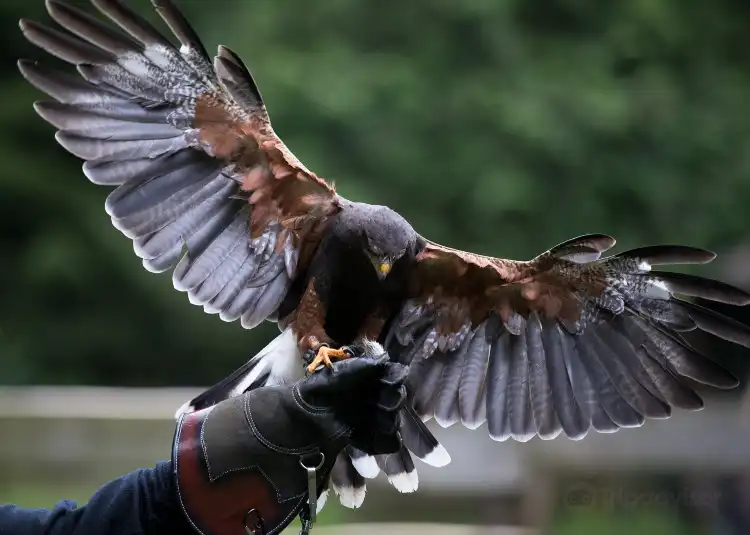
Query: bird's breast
[354, 297]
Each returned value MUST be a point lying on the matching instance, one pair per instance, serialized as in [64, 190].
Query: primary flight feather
[562, 343]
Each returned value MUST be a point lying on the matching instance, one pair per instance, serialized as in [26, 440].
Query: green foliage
[503, 127]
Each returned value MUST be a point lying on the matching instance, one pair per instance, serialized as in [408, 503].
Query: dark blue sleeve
[143, 502]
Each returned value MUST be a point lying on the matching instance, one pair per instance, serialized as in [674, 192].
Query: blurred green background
[502, 127]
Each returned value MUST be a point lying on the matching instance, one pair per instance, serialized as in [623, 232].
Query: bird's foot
[322, 354]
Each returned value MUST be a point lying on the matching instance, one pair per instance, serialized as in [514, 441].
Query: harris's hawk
[563, 343]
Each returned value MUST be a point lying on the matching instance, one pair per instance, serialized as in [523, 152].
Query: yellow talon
[324, 356]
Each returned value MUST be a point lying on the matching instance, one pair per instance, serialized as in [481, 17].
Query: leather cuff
[242, 502]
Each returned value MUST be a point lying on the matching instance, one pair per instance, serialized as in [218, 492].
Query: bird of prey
[568, 341]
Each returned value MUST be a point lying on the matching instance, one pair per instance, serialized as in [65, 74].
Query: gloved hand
[250, 464]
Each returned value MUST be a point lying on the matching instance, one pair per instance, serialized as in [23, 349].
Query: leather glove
[250, 464]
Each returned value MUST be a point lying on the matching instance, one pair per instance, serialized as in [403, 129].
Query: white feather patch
[351, 497]
[280, 359]
[372, 348]
[281, 356]
[658, 290]
[366, 466]
[405, 482]
[438, 457]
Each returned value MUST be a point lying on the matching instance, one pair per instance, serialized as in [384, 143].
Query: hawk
[566, 342]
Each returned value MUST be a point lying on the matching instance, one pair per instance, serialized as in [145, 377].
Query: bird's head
[388, 236]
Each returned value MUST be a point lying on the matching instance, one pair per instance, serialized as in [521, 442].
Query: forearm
[143, 502]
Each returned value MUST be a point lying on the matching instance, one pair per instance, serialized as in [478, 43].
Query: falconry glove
[250, 464]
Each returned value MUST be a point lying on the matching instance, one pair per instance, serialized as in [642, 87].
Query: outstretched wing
[204, 185]
[561, 343]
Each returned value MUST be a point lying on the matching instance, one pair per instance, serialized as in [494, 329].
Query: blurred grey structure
[95, 434]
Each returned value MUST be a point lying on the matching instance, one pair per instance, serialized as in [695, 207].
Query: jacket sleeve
[143, 502]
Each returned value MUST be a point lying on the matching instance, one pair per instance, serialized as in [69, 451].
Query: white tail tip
[438, 457]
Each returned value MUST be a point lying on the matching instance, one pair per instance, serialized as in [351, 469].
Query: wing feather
[446, 406]
[520, 416]
[203, 184]
[498, 376]
[471, 386]
[545, 416]
[572, 340]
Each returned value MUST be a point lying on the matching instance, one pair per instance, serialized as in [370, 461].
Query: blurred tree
[503, 127]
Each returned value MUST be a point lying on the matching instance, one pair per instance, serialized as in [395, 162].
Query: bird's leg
[322, 353]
